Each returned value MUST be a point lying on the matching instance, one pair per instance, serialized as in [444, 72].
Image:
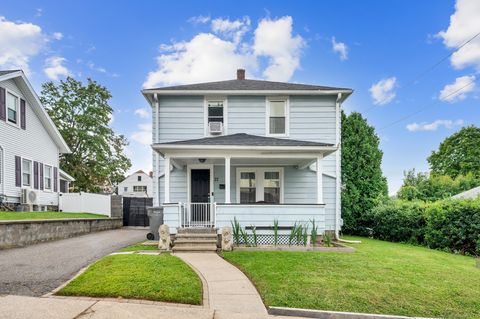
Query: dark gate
[135, 211]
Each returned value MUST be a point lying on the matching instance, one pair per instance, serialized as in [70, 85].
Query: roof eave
[172, 147]
[146, 92]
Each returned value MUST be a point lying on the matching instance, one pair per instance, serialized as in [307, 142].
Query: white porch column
[319, 180]
[167, 179]
[227, 179]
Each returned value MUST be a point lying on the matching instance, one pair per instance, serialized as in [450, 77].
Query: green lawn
[139, 246]
[158, 277]
[380, 277]
[45, 215]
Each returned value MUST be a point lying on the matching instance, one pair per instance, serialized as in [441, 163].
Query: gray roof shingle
[242, 139]
[7, 71]
[245, 85]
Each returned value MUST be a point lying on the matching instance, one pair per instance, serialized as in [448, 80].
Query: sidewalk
[229, 290]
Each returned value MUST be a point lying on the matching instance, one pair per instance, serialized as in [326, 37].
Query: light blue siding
[246, 114]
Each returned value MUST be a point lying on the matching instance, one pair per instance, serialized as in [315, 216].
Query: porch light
[202, 160]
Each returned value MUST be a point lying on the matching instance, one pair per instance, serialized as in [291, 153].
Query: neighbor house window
[277, 117]
[48, 177]
[248, 188]
[26, 172]
[139, 178]
[140, 189]
[125, 189]
[215, 111]
[12, 108]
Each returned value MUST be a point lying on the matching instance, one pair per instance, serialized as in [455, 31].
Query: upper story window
[215, 111]
[140, 188]
[139, 178]
[277, 116]
[215, 116]
[12, 108]
[26, 172]
[125, 189]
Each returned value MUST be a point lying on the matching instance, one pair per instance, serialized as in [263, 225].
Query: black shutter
[35, 175]
[23, 114]
[41, 175]
[18, 171]
[2, 104]
[55, 179]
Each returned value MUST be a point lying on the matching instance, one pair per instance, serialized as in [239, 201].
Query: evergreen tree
[364, 185]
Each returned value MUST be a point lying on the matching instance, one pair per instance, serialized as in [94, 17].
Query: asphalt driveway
[38, 269]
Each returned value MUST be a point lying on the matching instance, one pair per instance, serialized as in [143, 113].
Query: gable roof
[470, 194]
[24, 85]
[240, 85]
[242, 139]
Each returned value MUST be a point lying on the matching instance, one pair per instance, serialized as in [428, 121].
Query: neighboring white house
[30, 145]
[257, 151]
[470, 194]
[138, 184]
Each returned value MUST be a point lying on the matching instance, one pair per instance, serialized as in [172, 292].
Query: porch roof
[242, 139]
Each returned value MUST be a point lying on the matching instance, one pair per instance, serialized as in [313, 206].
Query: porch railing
[197, 214]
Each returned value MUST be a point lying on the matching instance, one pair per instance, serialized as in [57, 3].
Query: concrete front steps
[201, 239]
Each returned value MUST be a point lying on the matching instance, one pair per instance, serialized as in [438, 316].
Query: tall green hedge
[452, 225]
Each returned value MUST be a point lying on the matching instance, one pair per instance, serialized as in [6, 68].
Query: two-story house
[257, 151]
[30, 145]
[138, 184]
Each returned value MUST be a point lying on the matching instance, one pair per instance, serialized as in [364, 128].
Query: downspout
[338, 158]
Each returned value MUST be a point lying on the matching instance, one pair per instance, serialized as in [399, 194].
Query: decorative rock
[227, 242]
[165, 241]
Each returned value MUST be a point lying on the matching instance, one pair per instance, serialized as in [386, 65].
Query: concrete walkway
[229, 290]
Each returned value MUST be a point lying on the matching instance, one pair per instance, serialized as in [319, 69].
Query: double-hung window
[47, 178]
[139, 188]
[12, 108]
[26, 172]
[277, 113]
[260, 185]
[215, 111]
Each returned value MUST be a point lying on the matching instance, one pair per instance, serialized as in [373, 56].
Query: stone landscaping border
[324, 314]
[19, 233]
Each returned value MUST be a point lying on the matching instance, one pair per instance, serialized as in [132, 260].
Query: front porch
[256, 185]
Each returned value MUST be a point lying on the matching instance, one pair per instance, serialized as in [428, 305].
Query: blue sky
[378, 48]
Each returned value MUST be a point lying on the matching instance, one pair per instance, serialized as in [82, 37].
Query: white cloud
[216, 56]
[274, 39]
[57, 35]
[55, 68]
[144, 135]
[20, 42]
[458, 90]
[39, 12]
[415, 127]
[464, 24]
[231, 29]
[383, 92]
[199, 19]
[142, 112]
[340, 48]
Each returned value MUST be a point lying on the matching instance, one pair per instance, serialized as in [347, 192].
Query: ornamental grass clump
[327, 239]
[314, 233]
[275, 232]
[254, 233]
[236, 230]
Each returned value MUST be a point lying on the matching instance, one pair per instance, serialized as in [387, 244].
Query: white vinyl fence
[85, 203]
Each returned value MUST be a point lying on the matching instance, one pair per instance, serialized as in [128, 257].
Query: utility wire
[427, 106]
[428, 70]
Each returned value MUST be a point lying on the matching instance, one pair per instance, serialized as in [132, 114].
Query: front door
[200, 195]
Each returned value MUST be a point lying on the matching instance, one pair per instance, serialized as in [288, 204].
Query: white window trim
[287, 115]
[31, 172]
[259, 181]
[205, 113]
[45, 188]
[17, 125]
[189, 180]
[2, 169]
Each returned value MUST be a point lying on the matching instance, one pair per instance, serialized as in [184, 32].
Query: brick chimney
[240, 74]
